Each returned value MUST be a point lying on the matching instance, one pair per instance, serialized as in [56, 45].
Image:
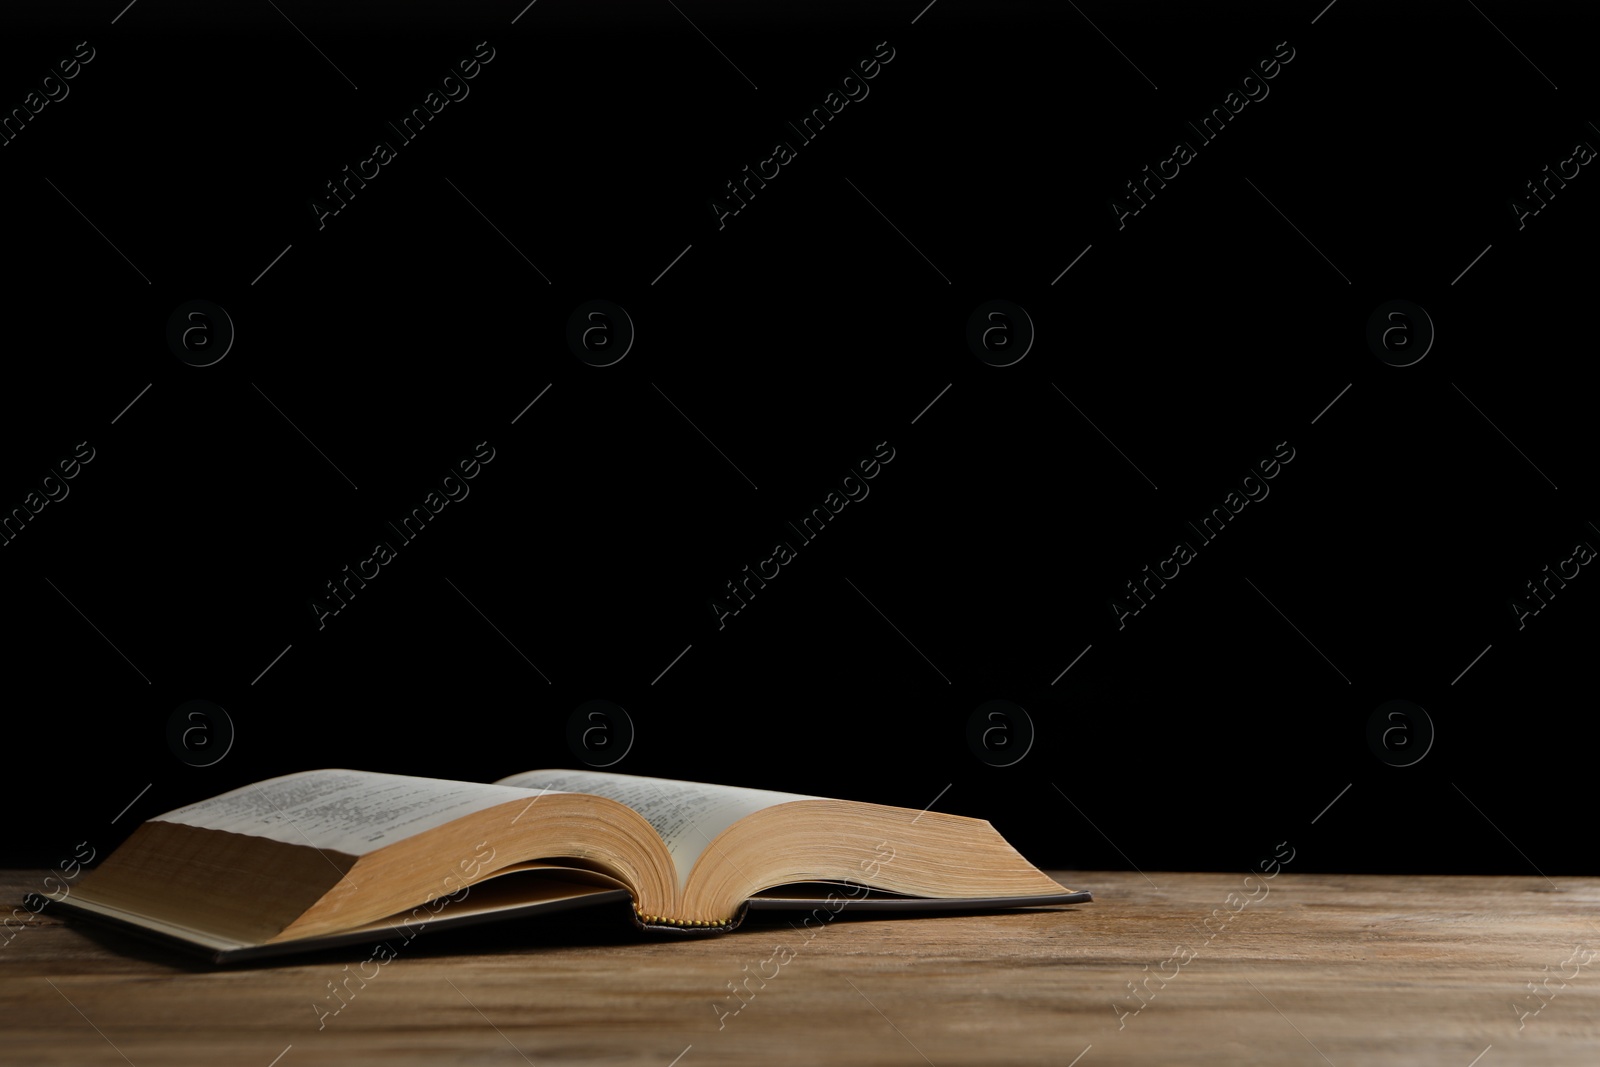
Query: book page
[353, 812]
[687, 815]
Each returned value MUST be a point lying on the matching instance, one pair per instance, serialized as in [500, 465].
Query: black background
[812, 326]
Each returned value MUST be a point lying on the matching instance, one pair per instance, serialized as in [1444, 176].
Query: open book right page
[687, 815]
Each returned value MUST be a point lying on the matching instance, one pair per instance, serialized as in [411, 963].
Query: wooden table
[1307, 969]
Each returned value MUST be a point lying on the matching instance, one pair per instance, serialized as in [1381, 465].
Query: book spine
[666, 924]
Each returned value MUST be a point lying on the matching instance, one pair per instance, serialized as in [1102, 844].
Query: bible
[332, 857]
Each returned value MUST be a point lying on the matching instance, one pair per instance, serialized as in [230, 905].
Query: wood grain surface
[1304, 969]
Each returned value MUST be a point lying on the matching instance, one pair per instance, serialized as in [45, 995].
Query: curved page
[687, 815]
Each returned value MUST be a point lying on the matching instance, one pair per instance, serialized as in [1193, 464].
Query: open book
[330, 857]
